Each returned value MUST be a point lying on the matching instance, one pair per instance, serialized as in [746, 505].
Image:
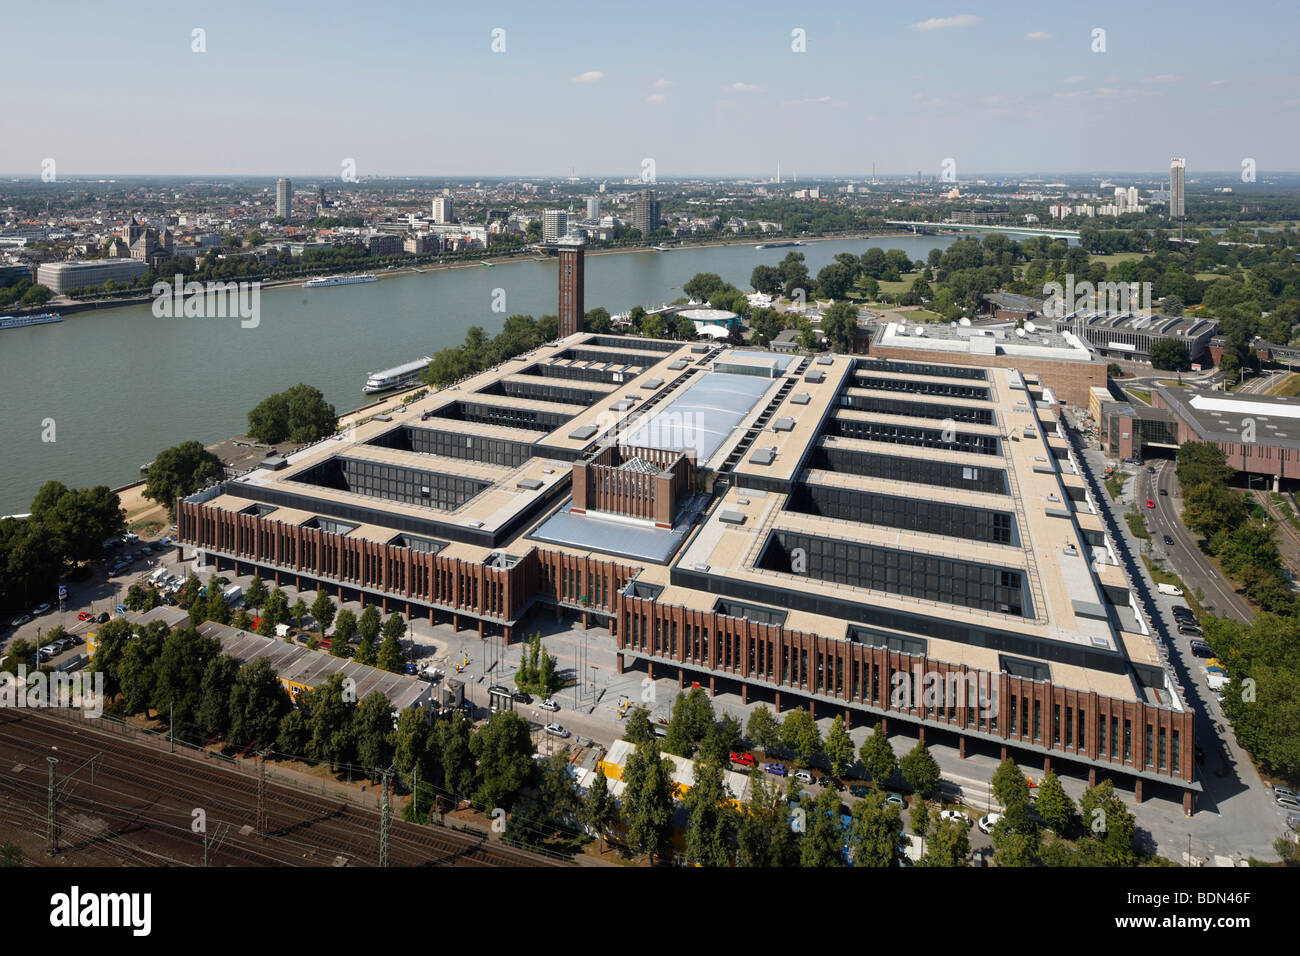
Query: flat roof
[703, 416]
[1042, 343]
[1223, 416]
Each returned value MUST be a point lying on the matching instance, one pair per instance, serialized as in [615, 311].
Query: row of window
[911, 435]
[913, 514]
[914, 387]
[909, 409]
[926, 471]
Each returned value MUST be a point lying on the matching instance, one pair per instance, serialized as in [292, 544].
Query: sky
[597, 89]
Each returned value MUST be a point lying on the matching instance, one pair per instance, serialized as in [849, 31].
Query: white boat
[396, 377]
[339, 280]
[22, 321]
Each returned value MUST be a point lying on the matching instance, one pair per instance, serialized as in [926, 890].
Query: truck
[1169, 589]
[232, 594]
[1216, 678]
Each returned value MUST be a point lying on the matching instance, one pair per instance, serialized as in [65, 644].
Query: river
[116, 386]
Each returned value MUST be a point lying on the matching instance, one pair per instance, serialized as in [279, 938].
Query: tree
[277, 607]
[598, 321]
[322, 612]
[920, 770]
[840, 324]
[711, 822]
[800, 736]
[1201, 462]
[1170, 354]
[457, 760]
[329, 720]
[721, 740]
[874, 834]
[372, 730]
[920, 815]
[766, 279]
[504, 750]
[258, 701]
[345, 628]
[763, 729]
[878, 757]
[256, 595]
[299, 414]
[557, 791]
[948, 845]
[648, 800]
[390, 656]
[180, 471]
[294, 735]
[178, 688]
[1010, 788]
[298, 613]
[367, 653]
[765, 837]
[691, 720]
[370, 623]
[1016, 841]
[138, 671]
[599, 811]
[1110, 824]
[1054, 804]
[638, 730]
[823, 841]
[214, 701]
[413, 745]
[76, 521]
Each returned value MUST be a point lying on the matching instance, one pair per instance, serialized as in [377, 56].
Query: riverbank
[66, 306]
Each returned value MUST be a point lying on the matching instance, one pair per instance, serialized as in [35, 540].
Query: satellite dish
[918, 330]
[964, 322]
[1030, 327]
[1021, 333]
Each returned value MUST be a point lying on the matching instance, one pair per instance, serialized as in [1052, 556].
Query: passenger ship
[22, 321]
[339, 280]
[396, 377]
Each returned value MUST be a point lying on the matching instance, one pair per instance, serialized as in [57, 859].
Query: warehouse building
[840, 533]
[1259, 434]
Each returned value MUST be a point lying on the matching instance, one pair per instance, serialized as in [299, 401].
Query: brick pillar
[961, 746]
[1137, 791]
[812, 708]
[1004, 752]
[1092, 776]
[430, 616]
[618, 663]
[681, 679]
[586, 624]
[650, 669]
[1047, 766]
[1189, 798]
[340, 594]
[848, 725]
[480, 629]
[277, 577]
[713, 686]
[383, 605]
[455, 622]
[920, 734]
[509, 634]
[777, 705]
[744, 693]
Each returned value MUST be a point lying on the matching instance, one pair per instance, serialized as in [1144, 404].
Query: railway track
[140, 789]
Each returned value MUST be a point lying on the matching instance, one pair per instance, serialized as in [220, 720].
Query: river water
[114, 387]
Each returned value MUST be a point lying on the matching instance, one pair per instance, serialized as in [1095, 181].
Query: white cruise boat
[22, 321]
[396, 377]
[339, 280]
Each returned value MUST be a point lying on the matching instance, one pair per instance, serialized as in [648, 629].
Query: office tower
[1132, 197]
[555, 225]
[571, 286]
[442, 211]
[283, 193]
[1177, 173]
[645, 212]
[593, 207]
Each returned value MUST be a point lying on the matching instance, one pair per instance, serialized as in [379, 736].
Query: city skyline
[706, 94]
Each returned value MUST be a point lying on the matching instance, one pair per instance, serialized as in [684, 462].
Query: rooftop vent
[583, 433]
[731, 517]
[763, 456]
[800, 398]
[529, 484]
[783, 425]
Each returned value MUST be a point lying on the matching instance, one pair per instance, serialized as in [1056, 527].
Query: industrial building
[1259, 434]
[842, 533]
[63, 277]
[1130, 335]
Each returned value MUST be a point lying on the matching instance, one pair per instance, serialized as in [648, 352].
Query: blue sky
[702, 88]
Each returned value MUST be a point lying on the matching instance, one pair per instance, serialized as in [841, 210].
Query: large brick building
[887, 540]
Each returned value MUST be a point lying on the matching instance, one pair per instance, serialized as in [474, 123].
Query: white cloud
[656, 98]
[942, 23]
[662, 84]
[811, 99]
[1074, 80]
[1162, 78]
[591, 76]
[739, 87]
[1040, 35]
[1216, 82]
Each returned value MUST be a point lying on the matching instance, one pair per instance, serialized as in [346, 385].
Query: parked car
[1293, 821]
[40, 609]
[164, 541]
[804, 777]
[103, 618]
[549, 704]
[519, 697]
[1288, 803]
[1190, 629]
[859, 790]
[989, 821]
[896, 800]
[1285, 792]
[555, 730]
[121, 609]
[1150, 503]
[776, 769]
[958, 815]
[1164, 492]
[745, 760]
[72, 640]
[20, 620]
[1201, 649]
[1169, 541]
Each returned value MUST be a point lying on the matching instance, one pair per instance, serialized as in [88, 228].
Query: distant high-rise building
[1132, 197]
[571, 286]
[1177, 174]
[283, 192]
[593, 207]
[555, 225]
[442, 212]
[645, 212]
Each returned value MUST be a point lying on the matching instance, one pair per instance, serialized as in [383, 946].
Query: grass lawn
[1136, 525]
[1113, 257]
[1115, 484]
[922, 315]
[1288, 386]
[902, 285]
[1209, 276]
[1171, 382]
[1140, 395]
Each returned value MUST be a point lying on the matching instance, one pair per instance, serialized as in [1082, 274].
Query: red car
[85, 616]
[1150, 503]
[745, 759]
